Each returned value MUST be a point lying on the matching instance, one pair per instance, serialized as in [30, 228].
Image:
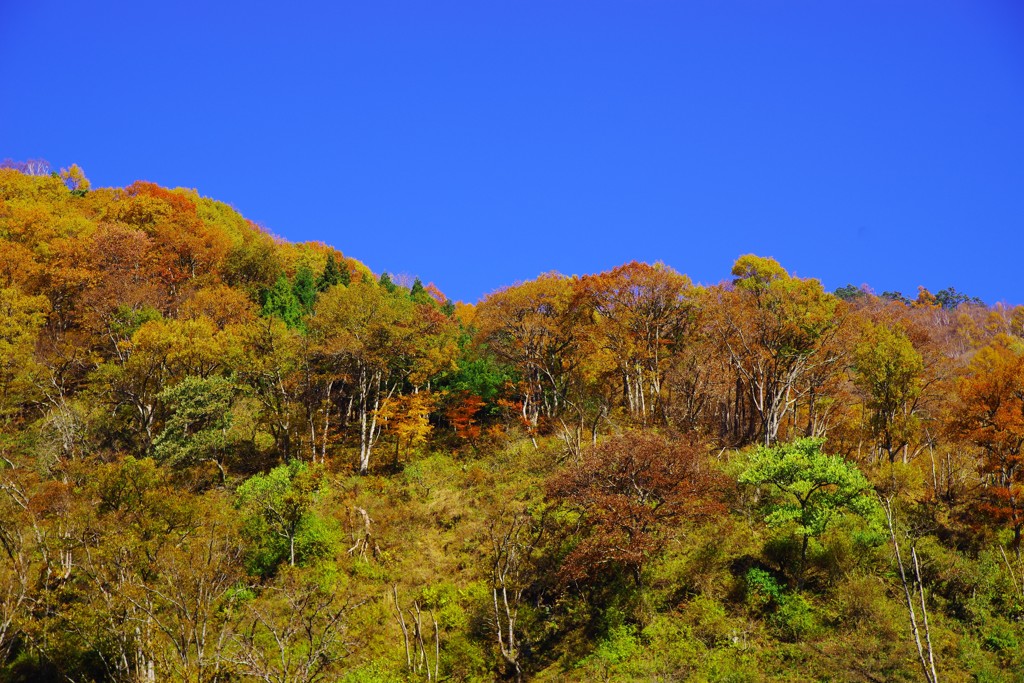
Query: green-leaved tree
[331, 275]
[279, 516]
[812, 488]
[200, 424]
[280, 301]
[888, 370]
[304, 288]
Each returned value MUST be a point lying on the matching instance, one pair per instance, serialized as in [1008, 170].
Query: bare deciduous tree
[912, 588]
[417, 660]
[294, 633]
[514, 537]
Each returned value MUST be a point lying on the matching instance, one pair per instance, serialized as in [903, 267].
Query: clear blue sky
[480, 143]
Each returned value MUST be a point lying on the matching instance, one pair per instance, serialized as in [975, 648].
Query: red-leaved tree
[630, 493]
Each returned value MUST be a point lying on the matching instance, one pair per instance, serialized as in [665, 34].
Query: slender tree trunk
[405, 629]
[926, 657]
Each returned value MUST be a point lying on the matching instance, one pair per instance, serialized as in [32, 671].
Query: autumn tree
[644, 313]
[187, 249]
[20, 564]
[775, 330]
[463, 415]
[888, 371]
[97, 535]
[252, 264]
[990, 415]
[151, 574]
[515, 537]
[187, 594]
[630, 492]
[268, 364]
[222, 305]
[21, 318]
[377, 342]
[18, 265]
[472, 392]
[358, 327]
[406, 418]
[75, 180]
[124, 275]
[146, 358]
[535, 327]
[131, 384]
[297, 630]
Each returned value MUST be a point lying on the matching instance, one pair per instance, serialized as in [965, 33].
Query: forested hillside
[226, 457]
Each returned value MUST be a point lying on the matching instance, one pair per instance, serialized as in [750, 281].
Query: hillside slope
[226, 457]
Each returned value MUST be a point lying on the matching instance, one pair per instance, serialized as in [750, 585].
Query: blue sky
[476, 144]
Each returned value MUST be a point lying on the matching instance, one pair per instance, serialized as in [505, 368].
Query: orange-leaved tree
[990, 415]
[376, 342]
[643, 313]
[775, 329]
[536, 327]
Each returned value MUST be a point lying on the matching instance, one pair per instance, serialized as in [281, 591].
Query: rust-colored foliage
[630, 493]
[776, 330]
[463, 415]
[643, 314]
[991, 416]
[536, 328]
